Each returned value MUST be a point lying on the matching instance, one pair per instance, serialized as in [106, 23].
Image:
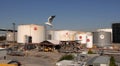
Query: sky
[84, 15]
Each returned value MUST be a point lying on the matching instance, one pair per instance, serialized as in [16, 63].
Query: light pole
[13, 34]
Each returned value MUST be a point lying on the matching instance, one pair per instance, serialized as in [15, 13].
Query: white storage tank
[89, 40]
[31, 33]
[10, 36]
[81, 38]
[64, 35]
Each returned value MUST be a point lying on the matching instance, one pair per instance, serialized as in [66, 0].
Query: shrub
[90, 52]
[112, 61]
[66, 57]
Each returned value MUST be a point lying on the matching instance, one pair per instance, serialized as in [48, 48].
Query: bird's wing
[50, 19]
[48, 23]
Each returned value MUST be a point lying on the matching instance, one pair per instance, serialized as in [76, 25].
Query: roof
[99, 60]
[11, 30]
[49, 42]
[102, 59]
[46, 43]
[55, 42]
[65, 62]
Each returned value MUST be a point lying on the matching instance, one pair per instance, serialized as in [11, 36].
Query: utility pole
[13, 34]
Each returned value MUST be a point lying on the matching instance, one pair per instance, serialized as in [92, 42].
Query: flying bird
[50, 19]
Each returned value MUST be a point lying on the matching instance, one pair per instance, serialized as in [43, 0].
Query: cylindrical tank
[89, 40]
[101, 39]
[116, 32]
[81, 38]
[31, 33]
[64, 35]
[105, 30]
[10, 36]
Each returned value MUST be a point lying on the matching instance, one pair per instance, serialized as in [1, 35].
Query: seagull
[50, 19]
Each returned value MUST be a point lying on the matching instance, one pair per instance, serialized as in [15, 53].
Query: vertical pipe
[6, 36]
[45, 32]
[52, 29]
[29, 39]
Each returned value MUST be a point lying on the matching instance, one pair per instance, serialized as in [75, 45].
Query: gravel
[34, 58]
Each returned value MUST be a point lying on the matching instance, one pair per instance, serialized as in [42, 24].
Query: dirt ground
[33, 58]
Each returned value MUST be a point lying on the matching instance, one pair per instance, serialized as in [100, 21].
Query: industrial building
[64, 35]
[81, 37]
[10, 37]
[35, 34]
[102, 39]
[30, 33]
[105, 30]
[116, 32]
[98, 61]
[89, 40]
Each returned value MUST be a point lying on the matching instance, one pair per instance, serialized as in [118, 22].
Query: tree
[112, 61]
